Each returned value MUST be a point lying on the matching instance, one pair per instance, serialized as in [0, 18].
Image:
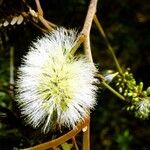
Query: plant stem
[39, 8]
[97, 22]
[79, 41]
[112, 90]
[11, 82]
[41, 18]
[39, 15]
[86, 138]
[87, 49]
[62, 139]
[45, 23]
[75, 143]
[87, 27]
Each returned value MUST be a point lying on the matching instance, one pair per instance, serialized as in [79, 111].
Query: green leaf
[66, 146]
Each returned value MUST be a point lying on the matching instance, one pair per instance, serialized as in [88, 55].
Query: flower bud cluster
[139, 100]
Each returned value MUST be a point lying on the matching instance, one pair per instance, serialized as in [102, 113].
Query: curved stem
[62, 139]
[87, 27]
[45, 23]
[97, 22]
[39, 15]
[87, 49]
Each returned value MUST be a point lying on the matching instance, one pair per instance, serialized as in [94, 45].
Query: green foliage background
[126, 24]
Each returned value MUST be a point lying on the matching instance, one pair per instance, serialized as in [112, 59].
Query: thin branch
[11, 82]
[51, 24]
[45, 23]
[39, 8]
[79, 41]
[36, 25]
[87, 27]
[89, 17]
[86, 138]
[112, 90]
[43, 30]
[62, 139]
[97, 22]
[39, 15]
[24, 1]
[41, 18]
[75, 143]
[102, 79]
[84, 35]
[87, 49]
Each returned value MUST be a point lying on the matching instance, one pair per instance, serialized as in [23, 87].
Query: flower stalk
[99, 26]
[112, 90]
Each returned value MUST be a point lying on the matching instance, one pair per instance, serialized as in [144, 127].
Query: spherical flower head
[54, 88]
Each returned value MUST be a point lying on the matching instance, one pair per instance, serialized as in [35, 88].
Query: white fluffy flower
[143, 108]
[52, 88]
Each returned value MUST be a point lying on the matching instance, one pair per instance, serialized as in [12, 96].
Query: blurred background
[126, 24]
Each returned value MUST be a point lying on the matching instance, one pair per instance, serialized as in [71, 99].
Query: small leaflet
[33, 13]
[6, 23]
[20, 20]
[14, 20]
